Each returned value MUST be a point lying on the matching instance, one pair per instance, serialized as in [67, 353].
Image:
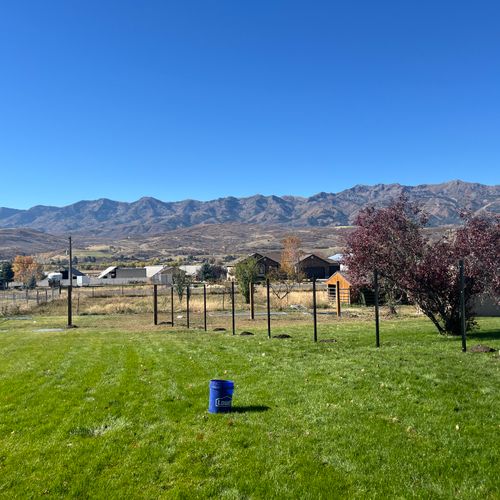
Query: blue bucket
[221, 396]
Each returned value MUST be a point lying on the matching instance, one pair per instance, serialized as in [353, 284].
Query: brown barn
[344, 286]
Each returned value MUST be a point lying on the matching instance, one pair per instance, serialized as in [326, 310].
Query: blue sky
[203, 99]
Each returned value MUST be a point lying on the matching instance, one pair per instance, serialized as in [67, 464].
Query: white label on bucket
[223, 402]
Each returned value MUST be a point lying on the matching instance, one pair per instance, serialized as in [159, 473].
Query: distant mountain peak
[149, 215]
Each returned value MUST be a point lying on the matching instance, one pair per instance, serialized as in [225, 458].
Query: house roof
[190, 269]
[324, 259]
[333, 278]
[337, 257]
[74, 270]
[107, 271]
[255, 255]
[154, 270]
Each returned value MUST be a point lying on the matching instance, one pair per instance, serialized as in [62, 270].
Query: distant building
[339, 283]
[160, 275]
[312, 266]
[265, 264]
[64, 271]
[130, 274]
[315, 267]
[191, 269]
[339, 259]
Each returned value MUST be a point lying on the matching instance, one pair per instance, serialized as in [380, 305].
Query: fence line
[12, 300]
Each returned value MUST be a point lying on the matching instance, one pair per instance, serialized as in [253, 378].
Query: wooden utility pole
[70, 286]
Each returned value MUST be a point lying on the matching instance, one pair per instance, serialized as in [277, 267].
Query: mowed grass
[115, 409]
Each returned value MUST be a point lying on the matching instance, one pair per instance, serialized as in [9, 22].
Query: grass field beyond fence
[116, 409]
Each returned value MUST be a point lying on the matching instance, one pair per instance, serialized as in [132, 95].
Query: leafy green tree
[180, 281]
[211, 272]
[6, 274]
[246, 272]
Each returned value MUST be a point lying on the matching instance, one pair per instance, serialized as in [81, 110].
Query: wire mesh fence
[14, 301]
[221, 307]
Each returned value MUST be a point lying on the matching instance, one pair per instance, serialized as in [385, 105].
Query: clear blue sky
[209, 98]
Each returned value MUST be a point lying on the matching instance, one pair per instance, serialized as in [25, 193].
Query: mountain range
[149, 216]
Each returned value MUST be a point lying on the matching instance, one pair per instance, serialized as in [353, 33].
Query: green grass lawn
[115, 410]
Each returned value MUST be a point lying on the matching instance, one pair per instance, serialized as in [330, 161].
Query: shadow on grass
[484, 335]
[249, 409]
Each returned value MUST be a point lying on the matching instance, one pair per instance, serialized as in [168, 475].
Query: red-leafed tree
[391, 240]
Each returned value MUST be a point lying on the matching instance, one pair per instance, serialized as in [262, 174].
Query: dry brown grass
[297, 306]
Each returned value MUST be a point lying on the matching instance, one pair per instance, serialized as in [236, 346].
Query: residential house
[265, 265]
[160, 275]
[315, 267]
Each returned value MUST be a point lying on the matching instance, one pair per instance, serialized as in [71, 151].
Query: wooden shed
[344, 288]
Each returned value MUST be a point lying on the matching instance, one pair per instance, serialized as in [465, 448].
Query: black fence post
[205, 306]
[232, 308]
[339, 312]
[252, 303]
[155, 304]
[268, 295]
[377, 326]
[187, 306]
[315, 319]
[462, 305]
[172, 305]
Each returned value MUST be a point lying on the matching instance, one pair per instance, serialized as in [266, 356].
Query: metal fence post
[268, 295]
[315, 319]
[377, 325]
[187, 306]
[252, 303]
[172, 305]
[339, 312]
[155, 304]
[205, 306]
[462, 305]
[232, 308]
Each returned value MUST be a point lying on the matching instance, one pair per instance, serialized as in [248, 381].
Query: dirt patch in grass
[246, 334]
[282, 336]
[481, 348]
